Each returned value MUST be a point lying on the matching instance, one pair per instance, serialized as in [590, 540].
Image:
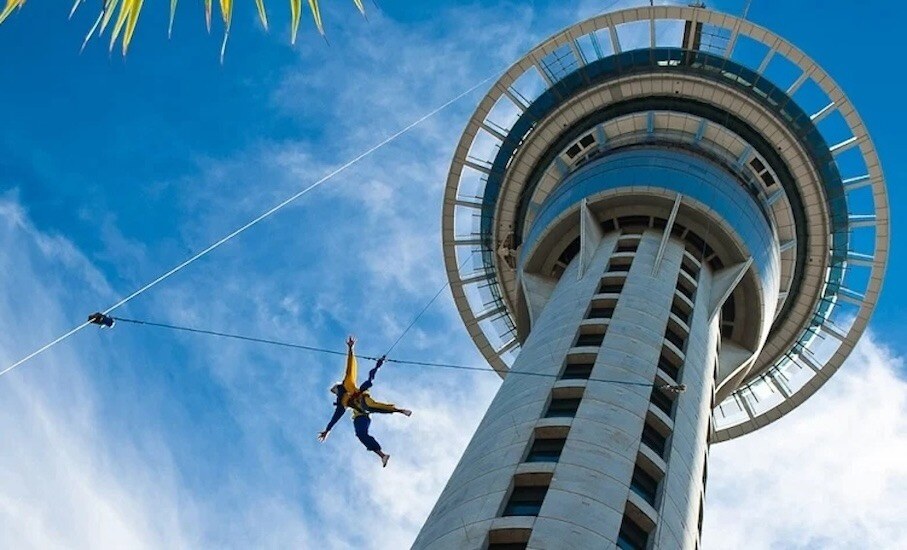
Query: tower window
[633, 221]
[668, 367]
[680, 313]
[561, 407]
[525, 501]
[644, 485]
[619, 265]
[674, 338]
[661, 400]
[546, 450]
[590, 339]
[627, 245]
[577, 371]
[631, 536]
[601, 313]
[689, 268]
[654, 440]
[611, 286]
[508, 539]
[686, 289]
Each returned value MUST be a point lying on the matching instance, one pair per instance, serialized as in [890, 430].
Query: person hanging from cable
[362, 404]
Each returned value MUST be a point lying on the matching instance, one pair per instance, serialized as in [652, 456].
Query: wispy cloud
[829, 475]
[60, 483]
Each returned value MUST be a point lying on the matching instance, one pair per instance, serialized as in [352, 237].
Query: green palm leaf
[125, 16]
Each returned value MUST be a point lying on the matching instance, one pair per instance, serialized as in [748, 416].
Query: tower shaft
[631, 454]
[585, 444]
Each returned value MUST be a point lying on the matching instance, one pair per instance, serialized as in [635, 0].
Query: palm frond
[10, 6]
[127, 13]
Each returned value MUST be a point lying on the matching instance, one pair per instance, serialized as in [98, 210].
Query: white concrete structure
[636, 215]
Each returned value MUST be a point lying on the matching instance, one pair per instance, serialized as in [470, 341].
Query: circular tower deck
[714, 87]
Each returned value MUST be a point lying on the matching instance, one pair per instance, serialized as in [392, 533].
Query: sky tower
[651, 198]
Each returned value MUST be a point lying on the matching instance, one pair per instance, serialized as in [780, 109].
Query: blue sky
[112, 170]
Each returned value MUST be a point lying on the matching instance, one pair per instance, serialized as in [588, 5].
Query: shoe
[384, 460]
[407, 412]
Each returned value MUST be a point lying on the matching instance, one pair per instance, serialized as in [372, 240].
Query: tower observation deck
[651, 198]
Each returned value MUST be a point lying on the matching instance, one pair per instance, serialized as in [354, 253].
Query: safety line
[369, 357]
[253, 222]
[428, 305]
[45, 347]
[233, 336]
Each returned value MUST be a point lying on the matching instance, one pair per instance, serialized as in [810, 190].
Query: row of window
[612, 283]
[646, 481]
[635, 225]
[528, 493]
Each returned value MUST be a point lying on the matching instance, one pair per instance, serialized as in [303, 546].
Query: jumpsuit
[361, 402]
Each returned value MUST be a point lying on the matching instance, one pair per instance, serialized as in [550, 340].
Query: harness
[356, 401]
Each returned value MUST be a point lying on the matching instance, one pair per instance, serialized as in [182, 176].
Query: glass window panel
[654, 440]
[561, 407]
[529, 86]
[546, 450]
[578, 371]
[525, 501]
[669, 33]
[631, 536]
[634, 35]
[644, 485]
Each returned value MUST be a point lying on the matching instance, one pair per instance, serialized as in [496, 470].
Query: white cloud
[832, 474]
[60, 485]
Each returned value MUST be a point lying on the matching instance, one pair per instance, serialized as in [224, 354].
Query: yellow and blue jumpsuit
[360, 401]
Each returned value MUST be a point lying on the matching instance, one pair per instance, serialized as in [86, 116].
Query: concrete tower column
[607, 462]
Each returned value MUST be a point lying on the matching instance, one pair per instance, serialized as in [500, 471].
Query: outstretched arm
[371, 375]
[338, 412]
[349, 378]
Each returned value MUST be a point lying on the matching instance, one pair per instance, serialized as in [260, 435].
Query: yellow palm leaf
[127, 15]
[226, 12]
[131, 20]
[10, 6]
[262, 14]
[295, 11]
[109, 7]
[316, 14]
[121, 20]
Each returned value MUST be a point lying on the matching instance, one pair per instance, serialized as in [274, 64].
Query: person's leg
[361, 424]
[385, 408]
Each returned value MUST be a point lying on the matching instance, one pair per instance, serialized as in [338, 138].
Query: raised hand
[350, 342]
[323, 435]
